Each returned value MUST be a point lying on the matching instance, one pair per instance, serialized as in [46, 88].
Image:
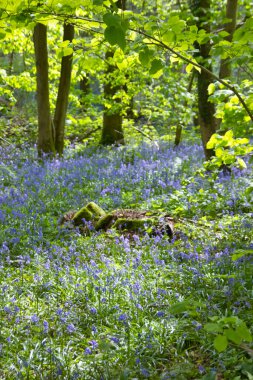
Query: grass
[109, 307]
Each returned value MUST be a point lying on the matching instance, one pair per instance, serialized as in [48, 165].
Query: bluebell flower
[123, 317]
[46, 327]
[34, 318]
[93, 310]
[114, 339]
[93, 343]
[71, 328]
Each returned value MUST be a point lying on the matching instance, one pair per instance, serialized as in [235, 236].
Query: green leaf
[213, 141]
[98, 2]
[243, 331]
[233, 336]
[67, 51]
[169, 36]
[144, 56]
[213, 327]
[183, 306]
[241, 163]
[115, 36]
[2, 35]
[220, 343]
[211, 88]
[156, 65]
[189, 68]
[111, 19]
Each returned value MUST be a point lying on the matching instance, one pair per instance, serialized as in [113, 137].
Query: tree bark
[231, 13]
[179, 125]
[45, 133]
[63, 92]
[207, 120]
[112, 131]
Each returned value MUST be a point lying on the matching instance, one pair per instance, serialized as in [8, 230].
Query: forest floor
[107, 306]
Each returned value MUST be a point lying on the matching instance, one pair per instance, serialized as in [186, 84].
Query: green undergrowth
[118, 306]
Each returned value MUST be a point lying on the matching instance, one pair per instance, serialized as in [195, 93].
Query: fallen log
[94, 217]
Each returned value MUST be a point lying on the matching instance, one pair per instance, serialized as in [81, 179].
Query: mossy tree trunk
[63, 92]
[112, 131]
[201, 10]
[45, 132]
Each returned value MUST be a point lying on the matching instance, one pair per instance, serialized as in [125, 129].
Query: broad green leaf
[179, 307]
[241, 253]
[156, 65]
[213, 141]
[243, 331]
[220, 343]
[189, 68]
[115, 36]
[174, 58]
[211, 88]
[98, 2]
[219, 152]
[144, 56]
[169, 37]
[241, 163]
[233, 336]
[249, 191]
[213, 327]
[176, 24]
[111, 19]
[187, 305]
[2, 35]
[67, 51]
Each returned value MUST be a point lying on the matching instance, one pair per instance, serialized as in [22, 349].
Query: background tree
[45, 130]
[112, 132]
[201, 9]
[230, 25]
[63, 91]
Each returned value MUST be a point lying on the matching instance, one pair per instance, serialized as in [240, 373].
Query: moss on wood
[137, 225]
[125, 220]
[96, 211]
[83, 214]
[105, 222]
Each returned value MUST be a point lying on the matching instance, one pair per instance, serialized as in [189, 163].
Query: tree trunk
[231, 12]
[63, 92]
[179, 125]
[112, 132]
[45, 135]
[207, 121]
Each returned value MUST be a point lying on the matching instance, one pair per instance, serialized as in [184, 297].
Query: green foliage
[228, 150]
[230, 329]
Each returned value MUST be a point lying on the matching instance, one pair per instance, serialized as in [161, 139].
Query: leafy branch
[196, 65]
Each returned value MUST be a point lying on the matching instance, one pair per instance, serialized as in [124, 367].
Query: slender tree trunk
[45, 135]
[207, 120]
[112, 131]
[179, 125]
[10, 65]
[63, 92]
[231, 13]
[85, 87]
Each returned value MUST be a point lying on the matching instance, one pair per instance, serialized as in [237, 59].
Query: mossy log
[124, 220]
[90, 212]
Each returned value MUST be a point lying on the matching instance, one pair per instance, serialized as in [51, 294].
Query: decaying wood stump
[125, 220]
